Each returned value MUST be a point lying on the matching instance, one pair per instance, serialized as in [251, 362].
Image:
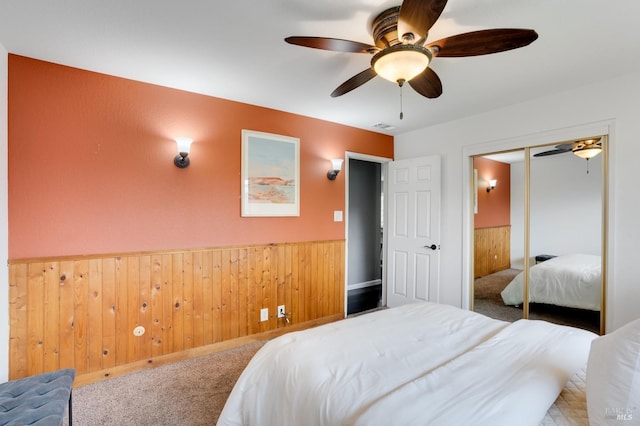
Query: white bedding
[416, 364]
[572, 280]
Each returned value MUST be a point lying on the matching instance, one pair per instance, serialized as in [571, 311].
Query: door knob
[432, 247]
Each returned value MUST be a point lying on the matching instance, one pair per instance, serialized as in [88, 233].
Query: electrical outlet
[281, 311]
[264, 314]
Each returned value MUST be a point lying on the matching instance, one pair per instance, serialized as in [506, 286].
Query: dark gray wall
[365, 187]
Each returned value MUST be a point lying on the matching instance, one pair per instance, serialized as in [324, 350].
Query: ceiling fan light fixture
[587, 152]
[587, 148]
[401, 62]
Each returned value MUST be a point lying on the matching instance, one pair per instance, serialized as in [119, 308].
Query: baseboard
[364, 284]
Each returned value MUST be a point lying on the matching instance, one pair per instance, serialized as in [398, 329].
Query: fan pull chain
[401, 113]
[587, 166]
[401, 83]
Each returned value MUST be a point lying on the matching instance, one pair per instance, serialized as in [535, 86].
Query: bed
[421, 363]
[573, 280]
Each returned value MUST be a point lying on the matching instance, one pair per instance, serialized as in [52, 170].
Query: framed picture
[270, 174]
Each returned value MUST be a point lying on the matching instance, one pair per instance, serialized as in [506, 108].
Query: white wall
[4, 221]
[614, 101]
[565, 207]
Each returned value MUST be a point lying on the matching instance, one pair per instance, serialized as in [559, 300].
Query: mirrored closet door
[555, 260]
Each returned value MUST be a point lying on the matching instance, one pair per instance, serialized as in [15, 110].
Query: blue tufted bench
[37, 400]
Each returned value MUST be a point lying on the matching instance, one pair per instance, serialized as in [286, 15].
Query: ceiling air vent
[384, 126]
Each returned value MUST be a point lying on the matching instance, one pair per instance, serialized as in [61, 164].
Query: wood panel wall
[492, 250]
[81, 312]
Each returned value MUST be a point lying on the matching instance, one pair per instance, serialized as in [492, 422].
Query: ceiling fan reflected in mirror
[585, 148]
[401, 53]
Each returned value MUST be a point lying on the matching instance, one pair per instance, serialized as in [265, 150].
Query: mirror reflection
[564, 238]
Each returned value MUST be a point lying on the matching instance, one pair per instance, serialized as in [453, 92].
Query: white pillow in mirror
[613, 377]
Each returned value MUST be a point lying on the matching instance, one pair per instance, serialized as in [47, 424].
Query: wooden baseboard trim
[159, 361]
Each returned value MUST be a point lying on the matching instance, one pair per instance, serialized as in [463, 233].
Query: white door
[413, 227]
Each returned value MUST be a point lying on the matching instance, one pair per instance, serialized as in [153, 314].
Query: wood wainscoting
[492, 250]
[81, 312]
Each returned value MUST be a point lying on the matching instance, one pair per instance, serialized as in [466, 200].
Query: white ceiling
[235, 50]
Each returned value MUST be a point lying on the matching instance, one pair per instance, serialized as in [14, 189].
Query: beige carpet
[487, 298]
[187, 393]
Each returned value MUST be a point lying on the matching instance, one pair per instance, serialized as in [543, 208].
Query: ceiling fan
[585, 148]
[401, 53]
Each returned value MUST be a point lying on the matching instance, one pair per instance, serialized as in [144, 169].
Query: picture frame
[270, 174]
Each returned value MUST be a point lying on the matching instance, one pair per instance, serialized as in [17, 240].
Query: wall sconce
[492, 184]
[182, 160]
[336, 165]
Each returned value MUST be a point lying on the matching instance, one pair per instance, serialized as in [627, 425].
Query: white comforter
[573, 280]
[416, 364]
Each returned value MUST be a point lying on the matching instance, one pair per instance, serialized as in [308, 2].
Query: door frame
[383, 161]
[606, 127]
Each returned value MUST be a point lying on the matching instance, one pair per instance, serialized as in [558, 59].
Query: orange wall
[91, 166]
[494, 208]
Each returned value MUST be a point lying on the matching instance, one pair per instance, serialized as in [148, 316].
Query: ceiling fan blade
[551, 152]
[334, 44]
[483, 42]
[418, 16]
[565, 146]
[354, 82]
[427, 84]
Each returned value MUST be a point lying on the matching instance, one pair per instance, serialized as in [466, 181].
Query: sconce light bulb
[184, 144]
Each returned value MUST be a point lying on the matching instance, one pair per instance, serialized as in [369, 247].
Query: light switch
[337, 215]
